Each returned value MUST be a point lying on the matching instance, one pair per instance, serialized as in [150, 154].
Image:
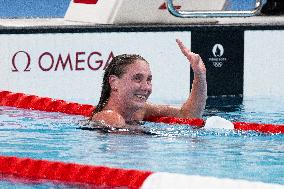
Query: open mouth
[141, 97]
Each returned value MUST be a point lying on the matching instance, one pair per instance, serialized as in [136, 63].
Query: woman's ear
[113, 82]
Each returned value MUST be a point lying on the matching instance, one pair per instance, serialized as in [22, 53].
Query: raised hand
[195, 60]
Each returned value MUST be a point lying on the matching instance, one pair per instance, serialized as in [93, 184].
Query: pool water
[175, 148]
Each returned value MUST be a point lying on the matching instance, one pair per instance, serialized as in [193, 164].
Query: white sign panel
[263, 64]
[70, 65]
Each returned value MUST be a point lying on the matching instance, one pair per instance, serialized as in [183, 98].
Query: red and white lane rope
[33, 102]
[71, 173]
[99, 176]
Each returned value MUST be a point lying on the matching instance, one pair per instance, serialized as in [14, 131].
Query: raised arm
[195, 104]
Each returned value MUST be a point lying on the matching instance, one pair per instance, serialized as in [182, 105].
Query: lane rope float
[33, 102]
[28, 168]
[106, 177]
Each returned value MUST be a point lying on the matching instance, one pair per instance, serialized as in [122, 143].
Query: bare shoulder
[109, 117]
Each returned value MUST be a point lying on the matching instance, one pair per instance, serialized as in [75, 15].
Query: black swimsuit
[134, 127]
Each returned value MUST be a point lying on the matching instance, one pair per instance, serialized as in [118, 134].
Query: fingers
[182, 47]
[185, 51]
[197, 58]
[190, 55]
[194, 59]
[179, 43]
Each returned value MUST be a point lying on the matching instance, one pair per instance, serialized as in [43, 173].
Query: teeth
[141, 96]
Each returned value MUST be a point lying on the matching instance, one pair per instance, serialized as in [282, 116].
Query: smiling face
[135, 85]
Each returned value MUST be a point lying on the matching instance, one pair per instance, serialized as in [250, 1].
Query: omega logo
[47, 61]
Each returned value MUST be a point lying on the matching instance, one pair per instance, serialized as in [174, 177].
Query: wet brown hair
[116, 67]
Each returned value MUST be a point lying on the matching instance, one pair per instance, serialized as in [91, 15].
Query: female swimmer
[127, 84]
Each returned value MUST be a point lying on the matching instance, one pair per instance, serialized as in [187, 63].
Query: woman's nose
[145, 85]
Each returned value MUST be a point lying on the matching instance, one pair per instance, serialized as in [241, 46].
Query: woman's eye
[137, 78]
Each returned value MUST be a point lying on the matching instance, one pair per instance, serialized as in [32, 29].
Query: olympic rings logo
[218, 64]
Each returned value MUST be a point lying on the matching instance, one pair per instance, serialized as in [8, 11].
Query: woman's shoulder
[109, 117]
